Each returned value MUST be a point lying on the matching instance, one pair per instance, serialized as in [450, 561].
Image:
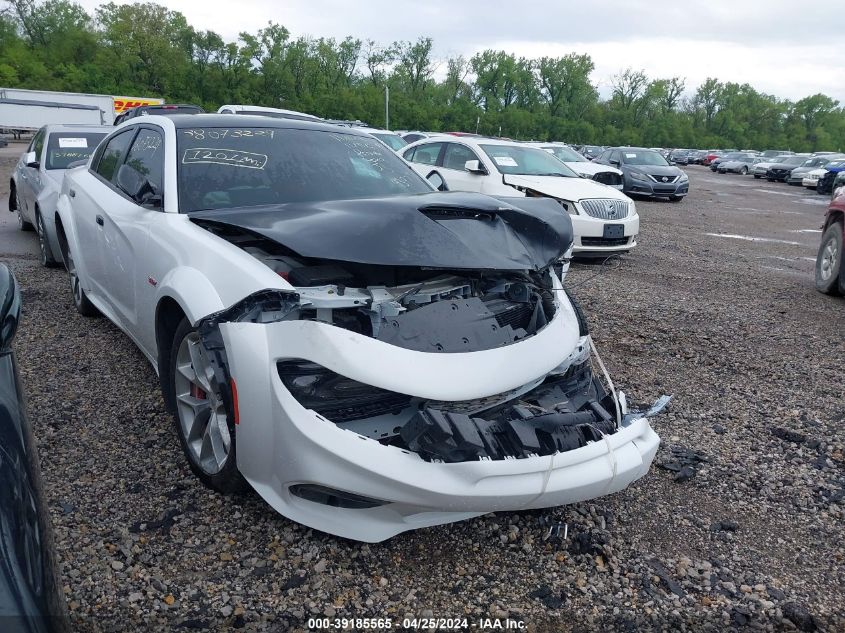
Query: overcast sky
[781, 47]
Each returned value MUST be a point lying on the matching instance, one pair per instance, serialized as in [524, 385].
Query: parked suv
[647, 173]
[162, 110]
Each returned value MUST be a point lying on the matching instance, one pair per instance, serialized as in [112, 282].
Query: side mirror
[474, 167]
[615, 163]
[437, 181]
[138, 187]
[10, 307]
[31, 160]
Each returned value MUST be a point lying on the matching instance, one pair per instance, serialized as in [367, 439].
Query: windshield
[221, 168]
[393, 141]
[835, 163]
[566, 154]
[792, 160]
[642, 158]
[64, 148]
[526, 161]
[170, 110]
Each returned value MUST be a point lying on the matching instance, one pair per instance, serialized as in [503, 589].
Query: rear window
[171, 110]
[64, 148]
[222, 168]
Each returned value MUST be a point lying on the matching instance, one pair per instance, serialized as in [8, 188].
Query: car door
[454, 170]
[126, 224]
[424, 158]
[88, 202]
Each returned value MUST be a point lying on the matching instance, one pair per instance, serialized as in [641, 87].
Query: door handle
[72, 193]
[100, 220]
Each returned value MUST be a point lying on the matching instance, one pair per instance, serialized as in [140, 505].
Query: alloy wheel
[21, 222]
[202, 414]
[75, 285]
[829, 259]
[42, 239]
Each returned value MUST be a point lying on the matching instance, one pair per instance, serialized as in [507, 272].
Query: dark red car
[709, 158]
[830, 274]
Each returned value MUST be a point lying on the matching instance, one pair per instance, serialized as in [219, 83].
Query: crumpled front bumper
[281, 444]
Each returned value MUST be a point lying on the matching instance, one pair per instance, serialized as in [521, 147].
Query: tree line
[145, 49]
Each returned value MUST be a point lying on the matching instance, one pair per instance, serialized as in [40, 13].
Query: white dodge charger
[369, 354]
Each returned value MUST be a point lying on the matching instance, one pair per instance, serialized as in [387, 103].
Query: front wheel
[829, 260]
[757, 176]
[203, 424]
[744, 171]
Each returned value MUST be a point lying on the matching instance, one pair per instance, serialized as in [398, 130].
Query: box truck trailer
[22, 109]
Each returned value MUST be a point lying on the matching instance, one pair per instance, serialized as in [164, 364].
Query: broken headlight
[335, 397]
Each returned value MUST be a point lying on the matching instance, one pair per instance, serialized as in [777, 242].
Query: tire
[47, 259]
[829, 260]
[744, 171]
[757, 176]
[23, 225]
[80, 300]
[203, 422]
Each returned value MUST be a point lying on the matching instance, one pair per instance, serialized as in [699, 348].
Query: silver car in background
[37, 179]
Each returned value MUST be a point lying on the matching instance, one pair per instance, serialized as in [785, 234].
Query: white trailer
[22, 109]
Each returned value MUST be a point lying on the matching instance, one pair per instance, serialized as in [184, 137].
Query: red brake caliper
[197, 392]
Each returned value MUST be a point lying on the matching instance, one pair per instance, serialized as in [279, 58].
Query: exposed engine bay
[434, 310]
[425, 310]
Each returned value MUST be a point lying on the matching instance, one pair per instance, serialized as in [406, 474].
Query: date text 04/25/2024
[423, 624]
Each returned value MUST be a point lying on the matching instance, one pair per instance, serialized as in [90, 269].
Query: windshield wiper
[550, 174]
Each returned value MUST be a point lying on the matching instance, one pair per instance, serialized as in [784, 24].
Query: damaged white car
[370, 355]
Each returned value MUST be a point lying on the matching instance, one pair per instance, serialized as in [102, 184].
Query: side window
[147, 156]
[409, 155]
[113, 153]
[615, 156]
[457, 155]
[226, 111]
[427, 154]
[38, 143]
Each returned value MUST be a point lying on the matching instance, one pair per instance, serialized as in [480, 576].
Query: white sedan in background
[604, 220]
[369, 354]
[604, 174]
[37, 179]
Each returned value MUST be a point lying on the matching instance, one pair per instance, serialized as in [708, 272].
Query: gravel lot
[732, 327]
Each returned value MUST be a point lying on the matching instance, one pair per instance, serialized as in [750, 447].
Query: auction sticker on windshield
[73, 142]
[505, 161]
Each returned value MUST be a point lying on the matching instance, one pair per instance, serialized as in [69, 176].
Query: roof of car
[76, 127]
[253, 108]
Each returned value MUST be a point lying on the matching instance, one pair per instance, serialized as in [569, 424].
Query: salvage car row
[370, 354]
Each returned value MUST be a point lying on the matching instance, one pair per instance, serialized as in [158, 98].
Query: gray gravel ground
[733, 328]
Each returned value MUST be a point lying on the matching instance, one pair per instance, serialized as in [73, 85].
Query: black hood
[451, 230]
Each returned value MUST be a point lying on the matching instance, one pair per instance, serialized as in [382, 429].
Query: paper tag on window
[505, 161]
[630, 155]
[73, 142]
